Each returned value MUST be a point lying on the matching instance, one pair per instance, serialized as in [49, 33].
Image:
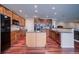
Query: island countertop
[64, 30]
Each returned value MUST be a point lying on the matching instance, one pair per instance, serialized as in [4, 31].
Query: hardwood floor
[51, 48]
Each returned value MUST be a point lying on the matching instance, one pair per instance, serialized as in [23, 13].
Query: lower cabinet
[76, 44]
[55, 36]
[35, 39]
[14, 37]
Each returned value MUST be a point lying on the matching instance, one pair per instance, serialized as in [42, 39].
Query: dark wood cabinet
[76, 45]
[55, 36]
[1, 9]
[14, 35]
[7, 12]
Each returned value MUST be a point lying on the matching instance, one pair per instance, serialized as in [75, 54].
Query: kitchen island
[35, 39]
[64, 38]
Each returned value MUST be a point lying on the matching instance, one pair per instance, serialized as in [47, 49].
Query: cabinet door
[40, 39]
[1, 9]
[12, 37]
[22, 21]
[76, 44]
[16, 17]
[7, 12]
[30, 39]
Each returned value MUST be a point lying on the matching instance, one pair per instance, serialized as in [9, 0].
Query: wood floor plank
[51, 48]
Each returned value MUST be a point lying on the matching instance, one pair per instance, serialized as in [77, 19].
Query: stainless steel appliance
[76, 34]
[5, 32]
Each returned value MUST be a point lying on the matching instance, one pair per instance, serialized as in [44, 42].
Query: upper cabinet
[1, 9]
[22, 21]
[12, 15]
[43, 21]
[19, 19]
[16, 17]
[7, 12]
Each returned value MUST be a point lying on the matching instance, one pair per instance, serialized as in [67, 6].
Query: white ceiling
[64, 12]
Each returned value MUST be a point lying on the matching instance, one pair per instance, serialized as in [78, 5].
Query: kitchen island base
[36, 39]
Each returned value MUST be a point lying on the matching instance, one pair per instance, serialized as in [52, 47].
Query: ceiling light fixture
[55, 13]
[53, 8]
[35, 16]
[35, 6]
[20, 11]
[47, 16]
[36, 11]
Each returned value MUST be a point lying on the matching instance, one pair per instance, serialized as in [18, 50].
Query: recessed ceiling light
[35, 6]
[55, 13]
[36, 11]
[20, 10]
[47, 16]
[53, 8]
[5, 16]
[35, 16]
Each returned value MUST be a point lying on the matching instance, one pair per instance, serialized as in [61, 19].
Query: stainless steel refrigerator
[5, 28]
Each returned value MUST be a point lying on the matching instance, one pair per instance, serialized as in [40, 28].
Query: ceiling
[63, 12]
